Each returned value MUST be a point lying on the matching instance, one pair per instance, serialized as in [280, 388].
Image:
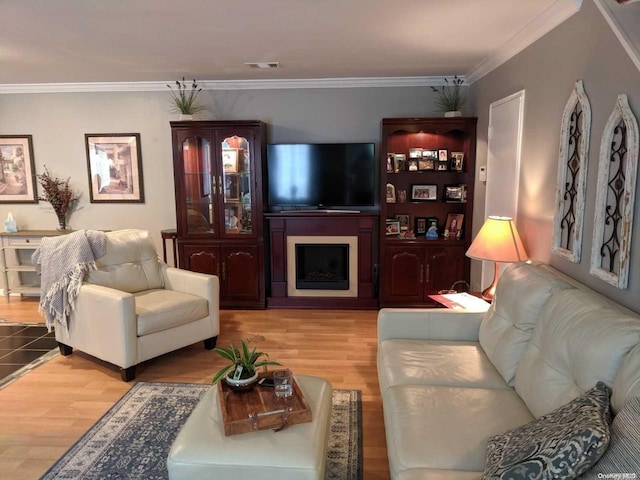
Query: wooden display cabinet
[427, 174]
[219, 203]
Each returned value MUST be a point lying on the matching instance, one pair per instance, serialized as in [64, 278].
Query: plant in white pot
[242, 372]
[451, 97]
[185, 99]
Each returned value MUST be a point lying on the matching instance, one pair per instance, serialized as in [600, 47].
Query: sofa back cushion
[580, 339]
[130, 263]
[507, 326]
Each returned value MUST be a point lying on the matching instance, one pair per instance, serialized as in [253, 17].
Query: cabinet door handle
[224, 270]
[220, 184]
[421, 273]
[428, 273]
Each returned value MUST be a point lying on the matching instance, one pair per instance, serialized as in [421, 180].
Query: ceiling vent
[263, 65]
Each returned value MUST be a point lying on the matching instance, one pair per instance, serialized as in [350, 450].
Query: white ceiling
[78, 41]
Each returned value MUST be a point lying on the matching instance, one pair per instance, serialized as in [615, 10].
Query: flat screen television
[322, 176]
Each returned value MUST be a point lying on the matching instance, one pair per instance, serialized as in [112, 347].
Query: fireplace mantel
[364, 227]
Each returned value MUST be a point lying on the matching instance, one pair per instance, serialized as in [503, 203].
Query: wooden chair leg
[65, 349]
[210, 343]
[128, 374]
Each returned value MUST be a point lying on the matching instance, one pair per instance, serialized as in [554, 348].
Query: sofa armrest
[104, 324]
[428, 324]
[200, 284]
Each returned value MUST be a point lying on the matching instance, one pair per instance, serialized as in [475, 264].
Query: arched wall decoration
[615, 196]
[572, 175]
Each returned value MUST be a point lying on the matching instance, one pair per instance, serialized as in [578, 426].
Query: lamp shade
[498, 241]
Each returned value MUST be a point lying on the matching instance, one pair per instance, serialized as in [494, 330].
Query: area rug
[132, 440]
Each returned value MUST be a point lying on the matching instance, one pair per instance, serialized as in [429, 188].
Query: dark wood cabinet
[427, 178]
[219, 203]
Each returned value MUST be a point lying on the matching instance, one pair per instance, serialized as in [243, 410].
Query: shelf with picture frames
[427, 179]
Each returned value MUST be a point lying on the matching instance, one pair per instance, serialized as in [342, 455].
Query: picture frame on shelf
[232, 218]
[392, 227]
[457, 161]
[424, 192]
[443, 155]
[400, 162]
[415, 153]
[404, 219]
[420, 225]
[455, 193]
[391, 193]
[18, 172]
[231, 188]
[230, 160]
[430, 154]
[432, 228]
[454, 226]
[426, 164]
[391, 163]
[114, 166]
[412, 165]
[402, 196]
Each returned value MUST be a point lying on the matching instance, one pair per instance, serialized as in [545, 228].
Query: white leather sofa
[134, 307]
[450, 379]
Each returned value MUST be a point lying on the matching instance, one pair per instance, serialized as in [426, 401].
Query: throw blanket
[62, 263]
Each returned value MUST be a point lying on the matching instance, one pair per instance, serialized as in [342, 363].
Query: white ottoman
[202, 451]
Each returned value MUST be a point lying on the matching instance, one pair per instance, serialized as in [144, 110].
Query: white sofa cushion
[433, 362]
[161, 309]
[130, 263]
[563, 444]
[507, 326]
[578, 341]
[439, 427]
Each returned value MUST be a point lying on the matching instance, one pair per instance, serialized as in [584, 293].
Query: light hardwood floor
[43, 413]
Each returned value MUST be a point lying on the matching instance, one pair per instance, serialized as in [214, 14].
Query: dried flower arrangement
[58, 193]
[185, 99]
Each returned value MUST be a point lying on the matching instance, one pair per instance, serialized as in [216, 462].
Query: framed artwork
[457, 159]
[232, 215]
[424, 193]
[431, 154]
[412, 165]
[403, 218]
[400, 162]
[402, 196]
[426, 164]
[443, 155]
[230, 160]
[114, 165]
[391, 193]
[393, 227]
[415, 153]
[17, 170]
[454, 225]
[420, 225]
[390, 163]
[231, 188]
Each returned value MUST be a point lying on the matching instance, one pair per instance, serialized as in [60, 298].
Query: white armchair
[134, 307]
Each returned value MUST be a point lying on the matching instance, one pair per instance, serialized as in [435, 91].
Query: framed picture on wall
[17, 170]
[114, 164]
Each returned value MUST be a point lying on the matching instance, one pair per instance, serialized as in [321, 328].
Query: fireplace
[322, 266]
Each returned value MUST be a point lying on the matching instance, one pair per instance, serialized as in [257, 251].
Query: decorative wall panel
[615, 196]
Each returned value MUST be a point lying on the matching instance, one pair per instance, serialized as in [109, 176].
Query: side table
[169, 234]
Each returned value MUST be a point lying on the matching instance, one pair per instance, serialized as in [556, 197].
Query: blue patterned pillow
[560, 445]
[623, 454]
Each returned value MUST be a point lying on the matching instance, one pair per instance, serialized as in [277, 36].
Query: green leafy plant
[451, 97]
[248, 358]
[185, 97]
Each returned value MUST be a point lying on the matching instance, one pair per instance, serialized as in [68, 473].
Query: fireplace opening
[322, 266]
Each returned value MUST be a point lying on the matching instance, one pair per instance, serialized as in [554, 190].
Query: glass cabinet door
[235, 177]
[199, 186]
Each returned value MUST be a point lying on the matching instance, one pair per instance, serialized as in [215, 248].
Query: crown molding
[617, 24]
[355, 82]
[553, 16]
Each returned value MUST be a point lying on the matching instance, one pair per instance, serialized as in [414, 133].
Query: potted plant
[241, 374]
[451, 98]
[185, 99]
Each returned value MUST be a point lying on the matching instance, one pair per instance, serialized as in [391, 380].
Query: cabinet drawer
[31, 242]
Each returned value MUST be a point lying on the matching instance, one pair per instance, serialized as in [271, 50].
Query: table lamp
[497, 241]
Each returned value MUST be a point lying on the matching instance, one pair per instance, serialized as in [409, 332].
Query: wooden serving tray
[260, 409]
